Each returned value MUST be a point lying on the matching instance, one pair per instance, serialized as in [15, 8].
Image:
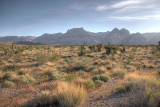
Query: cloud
[118, 5]
[153, 17]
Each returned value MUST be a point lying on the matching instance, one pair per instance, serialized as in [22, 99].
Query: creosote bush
[158, 72]
[101, 77]
[54, 75]
[89, 84]
[125, 87]
[99, 83]
[43, 57]
[119, 74]
[8, 83]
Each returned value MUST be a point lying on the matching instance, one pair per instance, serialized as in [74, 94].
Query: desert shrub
[103, 78]
[43, 57]
[27, 79]
[98, 83]
[89, 84]
[12, 76]
[8, 83]
[70, 77]
[96, 77]
[104, 56]
[129, 68]
[107, 62]
[1, 74]
[119, 74]
[82, 65]
[151, 86]
[158, 72]
[125, 87]
[43, 78]
[79, 67]
[92, 68]
[54, 57]
[81, 73]
[55, 75]
[10, 67]
[149, 96]
[45, 99]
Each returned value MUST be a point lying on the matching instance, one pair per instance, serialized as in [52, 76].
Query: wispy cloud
[118, 4]
[155, 17]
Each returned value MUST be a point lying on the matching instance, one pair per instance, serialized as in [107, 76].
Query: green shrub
[70, 77]
[12, 76]
[80, 67]
[1, 74]
[81, 73]
[103, 78]
[43, 77]
[54, 57]
[56, 75]
[91, 68]
[126, 87]
[43, 57]
[96, 77]
[119, 74]
[158, 72]
[27, 79]
[89, 84]
[8, 83]
[149, 96]
[99, 83]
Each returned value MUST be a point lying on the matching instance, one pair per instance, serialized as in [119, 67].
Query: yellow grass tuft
[69, 94]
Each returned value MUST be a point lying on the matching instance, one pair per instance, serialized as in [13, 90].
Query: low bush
[8, 83]
[158, 72]
[27, 79]
[119, 74]
[1, 74]
[11, 76]
[89, 84]
[55, 75]
[103, 78]
[96, 77]
[125, 87]
[70, 77]
[43, 57]
[99, 83]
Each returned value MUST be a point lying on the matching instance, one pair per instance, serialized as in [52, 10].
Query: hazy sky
[35, 17]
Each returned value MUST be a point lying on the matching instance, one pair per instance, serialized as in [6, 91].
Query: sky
[36, 17]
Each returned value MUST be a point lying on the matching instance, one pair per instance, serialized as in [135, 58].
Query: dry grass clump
[64, 95]
[70, 95]
[10, 79]
[118, 74]
[43, 57]
[151, 84]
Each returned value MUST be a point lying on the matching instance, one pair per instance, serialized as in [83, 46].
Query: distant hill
[17, 38]
[28, 43]
[77, 36]
[5, 43]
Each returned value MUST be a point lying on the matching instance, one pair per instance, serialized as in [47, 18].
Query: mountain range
[77, 36]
